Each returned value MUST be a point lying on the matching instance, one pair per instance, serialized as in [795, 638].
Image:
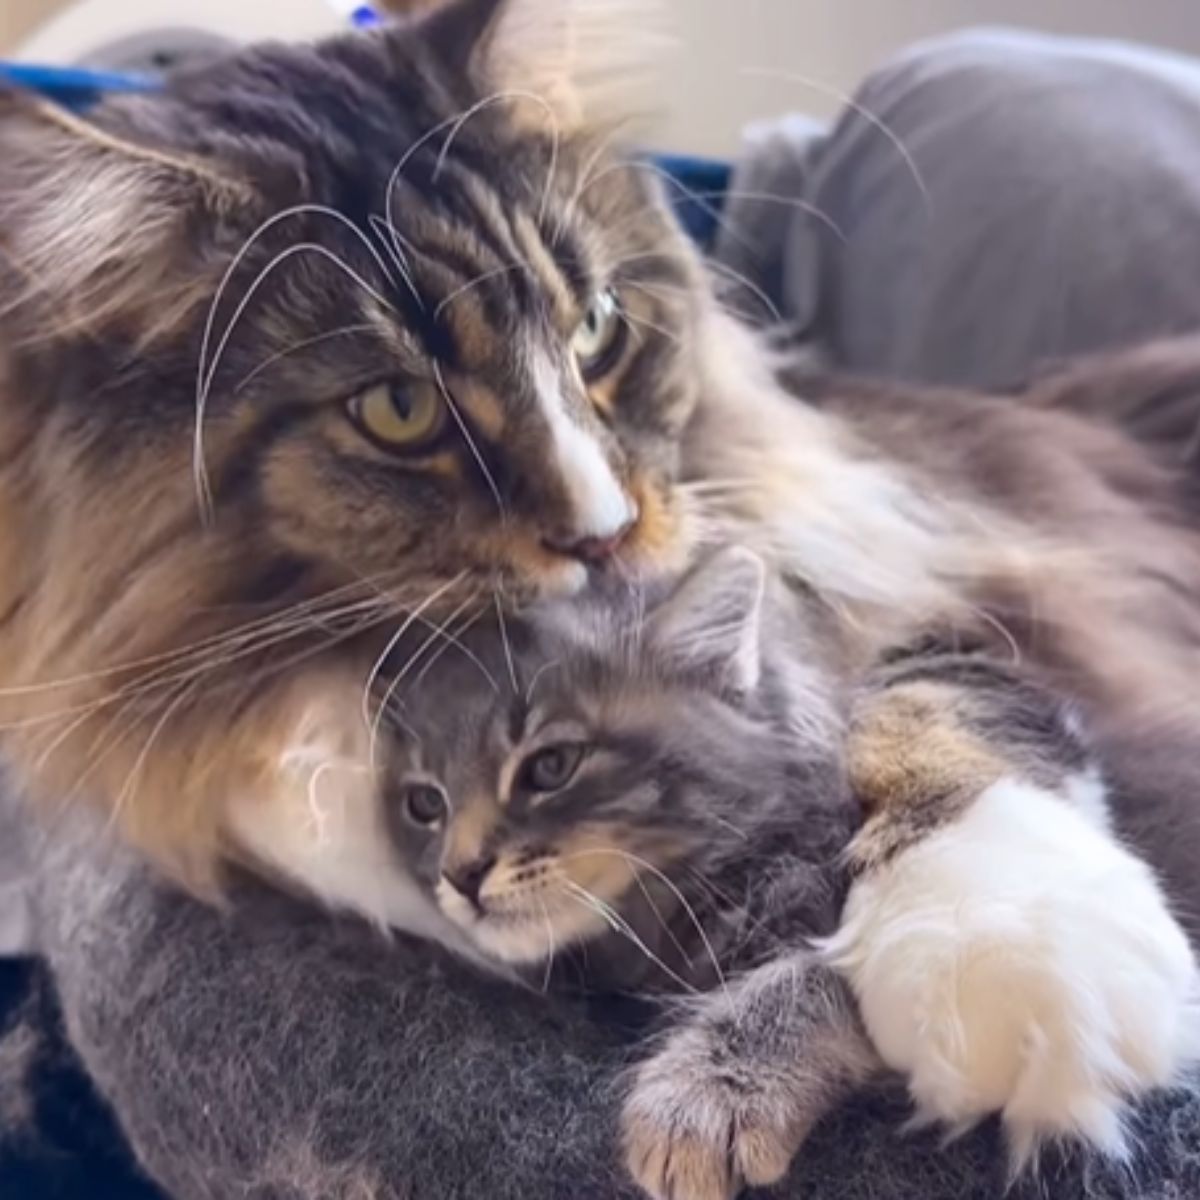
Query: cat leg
[1008, 953]
[734, 1088]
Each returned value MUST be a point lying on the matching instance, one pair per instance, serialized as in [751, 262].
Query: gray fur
[265, 1053]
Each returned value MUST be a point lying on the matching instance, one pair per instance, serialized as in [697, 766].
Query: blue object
[364, 16]
[73, 87]
[697, 185]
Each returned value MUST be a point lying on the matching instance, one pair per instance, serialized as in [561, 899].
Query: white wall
[834, 42]
[711, 89]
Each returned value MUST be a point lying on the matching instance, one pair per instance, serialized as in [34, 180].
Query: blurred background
[716, 80]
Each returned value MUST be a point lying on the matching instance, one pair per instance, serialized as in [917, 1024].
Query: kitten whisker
[550, 947]
[633, 859]
[619, 925]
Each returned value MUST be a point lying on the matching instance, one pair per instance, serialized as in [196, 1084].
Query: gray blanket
[270, 1053]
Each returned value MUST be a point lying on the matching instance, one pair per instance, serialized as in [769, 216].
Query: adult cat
[452, 350]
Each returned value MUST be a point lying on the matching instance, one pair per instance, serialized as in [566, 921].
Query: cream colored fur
[1021, 961]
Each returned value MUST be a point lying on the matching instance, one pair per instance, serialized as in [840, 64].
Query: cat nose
[467, 878]
[592, 549]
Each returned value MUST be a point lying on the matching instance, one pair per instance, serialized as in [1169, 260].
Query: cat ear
[93, 227]
[711, 627]
[592, 62]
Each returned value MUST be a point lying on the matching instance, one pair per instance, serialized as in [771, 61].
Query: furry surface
[268, 1054]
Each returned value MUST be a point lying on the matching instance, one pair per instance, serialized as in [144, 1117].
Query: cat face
[411, 318]
[533, 807]
[316, 338]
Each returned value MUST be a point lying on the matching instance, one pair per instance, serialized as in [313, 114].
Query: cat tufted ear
[710, 629]
[93, 227]
[591, 61]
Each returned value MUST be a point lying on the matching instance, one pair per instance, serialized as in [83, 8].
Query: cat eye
[552, 768]
[401, 419]
[424, 803]
[600, 337]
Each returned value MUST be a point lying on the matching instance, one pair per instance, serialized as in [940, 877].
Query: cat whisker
[205, 370]
[873, 119]
[214, 641]
[585, 174]
[129, 786]
[619, 925]
[479, 106]
[296, 347]
[398, 678]
[505, 642]
[637, 860]
[452, 638]
[394, 641]
[642, 321]
[394, 243]
[470, 441]
[744, 281]
[550, 947]
[483, 277]
[704, 204]
[537, 675]
[232, 650]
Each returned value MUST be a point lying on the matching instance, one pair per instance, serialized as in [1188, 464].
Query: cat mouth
[525, 933]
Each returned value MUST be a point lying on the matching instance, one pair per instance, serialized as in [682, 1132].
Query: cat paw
[694, 1130]
[1022, 961]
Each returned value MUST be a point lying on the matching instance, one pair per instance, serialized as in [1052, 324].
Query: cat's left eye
[551, 769]
[404, 419]
[424, 803]
[600, 337]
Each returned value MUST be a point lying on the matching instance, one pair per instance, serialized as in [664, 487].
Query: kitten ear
[92, 227]
[711, 628]
[591, 61]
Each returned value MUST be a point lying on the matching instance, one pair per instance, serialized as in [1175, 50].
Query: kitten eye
[552, 768]
[424, 803]
[600, 336]
[400, 419]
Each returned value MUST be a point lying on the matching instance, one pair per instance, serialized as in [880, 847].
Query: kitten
[686, 787]
[596, 772]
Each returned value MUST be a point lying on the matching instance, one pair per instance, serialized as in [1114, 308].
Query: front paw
[1021, 961]
[697, 1126]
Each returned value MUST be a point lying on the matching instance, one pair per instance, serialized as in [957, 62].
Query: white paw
[1022, 961]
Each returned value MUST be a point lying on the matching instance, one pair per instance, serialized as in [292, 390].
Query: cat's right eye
[406, 419]
[424, 803]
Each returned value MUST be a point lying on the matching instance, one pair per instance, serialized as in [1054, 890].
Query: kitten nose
[467, 878]
[593, 549]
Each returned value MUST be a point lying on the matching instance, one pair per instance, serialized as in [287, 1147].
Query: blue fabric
[697, 192]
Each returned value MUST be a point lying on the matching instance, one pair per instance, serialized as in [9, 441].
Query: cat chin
[1021, 961]
[517, 939]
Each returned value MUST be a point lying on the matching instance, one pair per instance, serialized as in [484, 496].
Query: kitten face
[621, 757]
[317, 337]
